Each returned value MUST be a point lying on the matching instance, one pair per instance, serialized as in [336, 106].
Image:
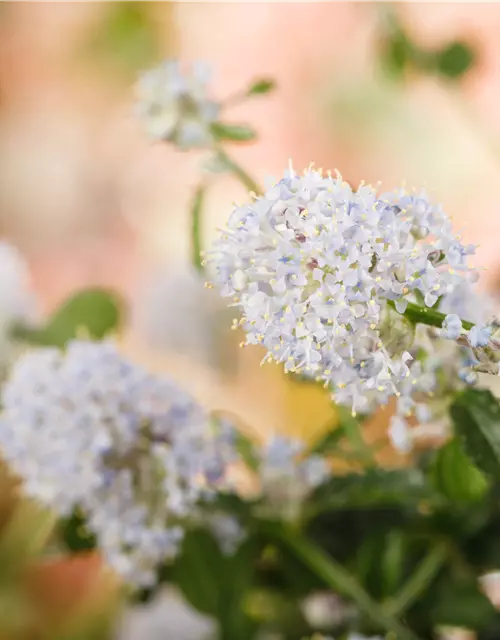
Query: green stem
[418, 582]
[337, 578]
[427, 315]
[246, 180]
[352, 429]
[196, 215]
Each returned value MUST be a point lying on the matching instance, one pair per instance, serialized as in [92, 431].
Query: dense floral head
[319, 269]
[88, 429]
[175, 106]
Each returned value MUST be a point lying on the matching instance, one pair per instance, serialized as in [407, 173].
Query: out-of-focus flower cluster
[322, 273]
[441, 368]
[288, 474]
[174, 106]
[87, 429]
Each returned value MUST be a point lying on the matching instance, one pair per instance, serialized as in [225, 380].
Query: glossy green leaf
[455, 60]
[91, 313]
[260, 87]
[233, 132]
[476, 418]
[454, 474]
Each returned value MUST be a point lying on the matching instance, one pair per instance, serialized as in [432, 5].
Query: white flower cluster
[443, 366]
[17, 302]
[87, 429]
[175, 107]
[288, 474]
[318, 269]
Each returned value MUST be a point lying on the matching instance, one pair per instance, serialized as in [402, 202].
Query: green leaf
[200, 571]
[262, 86]
[476, 417]
[375, 488]
[246, 449]
[233, 132]
[455, 60]
[126, 39]
[461, 603]
[75, 535]
[91, 313]
[215, 583]
[455, 476]
[397, 53]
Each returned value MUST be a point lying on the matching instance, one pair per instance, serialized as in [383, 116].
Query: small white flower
[399, 433]
[226, 529]
[287, 474]
[87, 429]
[174, 106]
[452, 327]
[479, 336]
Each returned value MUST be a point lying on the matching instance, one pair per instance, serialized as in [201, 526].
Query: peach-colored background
[90, 201]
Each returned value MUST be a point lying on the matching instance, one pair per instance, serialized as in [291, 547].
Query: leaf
[375, 488]
[216, 584]
[455, 60]
[233, 132]
[246, 449]
[92, 313]
[126, 40]
[461, 603]
[75, 535]
[476, 418]
[397, 53]
[200, 570]
[262, 86]
[455, 476]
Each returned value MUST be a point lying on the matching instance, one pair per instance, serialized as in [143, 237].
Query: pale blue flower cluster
[315, 265]
[86, 428]
[444, 366]
[288, 473]
[174, 106]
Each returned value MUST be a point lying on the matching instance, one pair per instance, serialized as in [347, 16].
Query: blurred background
[404, 92]
[389, 92]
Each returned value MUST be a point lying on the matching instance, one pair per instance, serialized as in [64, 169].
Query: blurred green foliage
[125, 40]
[91, 313]
[401, 54]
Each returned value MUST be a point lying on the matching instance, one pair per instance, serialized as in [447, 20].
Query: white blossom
[227, 530]
[314, 267]
[452, 326]
[87, 429]
[479, 335]
[175, 106]
[287, 474]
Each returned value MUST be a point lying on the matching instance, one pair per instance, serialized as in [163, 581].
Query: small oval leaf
[476, 417]
[233, 132]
